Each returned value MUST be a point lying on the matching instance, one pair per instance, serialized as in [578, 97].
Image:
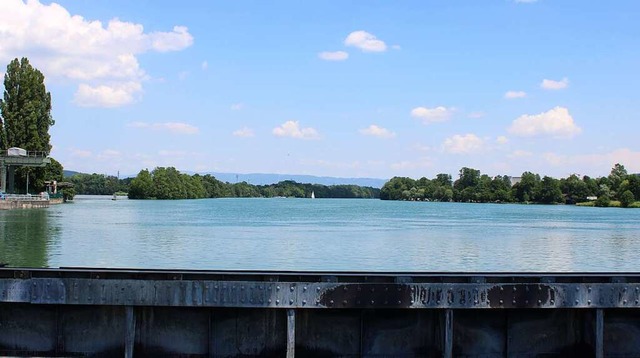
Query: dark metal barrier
[317, 314]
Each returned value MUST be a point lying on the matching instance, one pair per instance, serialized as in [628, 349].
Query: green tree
[141, 186]
[548, 191]
[626, 199]
[25, 116]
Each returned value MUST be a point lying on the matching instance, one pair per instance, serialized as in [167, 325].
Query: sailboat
[313, 195]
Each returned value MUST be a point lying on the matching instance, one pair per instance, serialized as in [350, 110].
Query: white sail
[313, 195]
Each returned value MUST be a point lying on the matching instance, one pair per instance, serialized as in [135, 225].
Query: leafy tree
[25, 117]
[141, 186]
[524, 191]
[626, 199]
[549, 191]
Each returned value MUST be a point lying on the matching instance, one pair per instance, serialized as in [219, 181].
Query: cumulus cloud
[244, 132]
[463, 144]
[292, 129]
[420, 163]
[115, 95]
[97, 56]
[365, 41]
[554, 85]
[376, 131]
[173, 127]
[556, 122]
[80, 153]
[502, 140]
[430, 115]
[333, 56]
[520, 154]
[515, 94]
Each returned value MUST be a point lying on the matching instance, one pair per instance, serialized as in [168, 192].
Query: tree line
[169, 183]
[618, 188]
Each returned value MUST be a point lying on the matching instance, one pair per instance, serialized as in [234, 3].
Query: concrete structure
[10, 159]
[286, 314]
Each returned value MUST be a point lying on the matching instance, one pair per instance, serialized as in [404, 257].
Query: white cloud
[80, 153]
[420, 163]
[365, 41]
[333, 56]
[515, 94]
[172, 153]
[109, 154]
[430, 115]
[244, 132]
[502, 140]
[556, 122]
[93, 54]
[292, 129]
[237, 106]
[476, 115]
[115, 95]
[520, 154]
[204, 65]
[173, 127]
[554, 85]
[376, 131]
[463, 144]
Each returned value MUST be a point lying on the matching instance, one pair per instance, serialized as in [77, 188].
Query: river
[321, 234]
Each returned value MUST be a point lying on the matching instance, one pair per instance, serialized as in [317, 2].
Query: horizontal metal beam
[260, 294]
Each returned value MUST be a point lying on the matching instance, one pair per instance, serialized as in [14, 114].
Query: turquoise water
[321, 234]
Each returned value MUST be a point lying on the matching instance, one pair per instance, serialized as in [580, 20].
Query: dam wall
[106, 312]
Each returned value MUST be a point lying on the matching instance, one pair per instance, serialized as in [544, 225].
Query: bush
[603, 201]
[626, 199]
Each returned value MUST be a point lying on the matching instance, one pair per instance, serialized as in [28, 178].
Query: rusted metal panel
[205, 293]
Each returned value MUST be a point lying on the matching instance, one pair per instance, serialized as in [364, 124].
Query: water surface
[321, 234]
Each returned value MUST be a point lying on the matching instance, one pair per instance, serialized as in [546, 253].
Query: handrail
[29, 154]
[24, 197]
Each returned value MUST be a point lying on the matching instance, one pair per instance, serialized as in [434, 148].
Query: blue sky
[336, 88]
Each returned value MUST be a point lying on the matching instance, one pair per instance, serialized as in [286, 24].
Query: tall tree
[25, 118]
[25, 108]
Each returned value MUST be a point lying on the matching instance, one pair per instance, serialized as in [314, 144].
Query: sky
[335, 87]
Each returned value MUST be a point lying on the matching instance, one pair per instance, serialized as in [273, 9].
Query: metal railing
[24, 197]
[29, 154]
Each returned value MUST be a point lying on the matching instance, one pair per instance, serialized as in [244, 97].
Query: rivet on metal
[277, 302]
[290, 302]
[372, 301]
[624, 302]
[577, 301]
[292, 288]
[331, 302]
[552, 302]
[514, 289]
[278, 288]
[318, 288]
[399, 302]
[304, 302]
[304, 288]
[344, 302]
[577, 289]
[539, 302]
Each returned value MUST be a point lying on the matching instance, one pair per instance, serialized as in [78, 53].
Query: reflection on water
[324, 235]
[24, 237]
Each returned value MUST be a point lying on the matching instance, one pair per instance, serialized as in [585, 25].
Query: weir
[120, 312]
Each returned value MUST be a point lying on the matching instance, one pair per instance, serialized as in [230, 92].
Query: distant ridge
[266, 179]
[69, 173]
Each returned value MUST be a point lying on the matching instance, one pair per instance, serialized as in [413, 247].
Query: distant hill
[69, 173]
[265, 179]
